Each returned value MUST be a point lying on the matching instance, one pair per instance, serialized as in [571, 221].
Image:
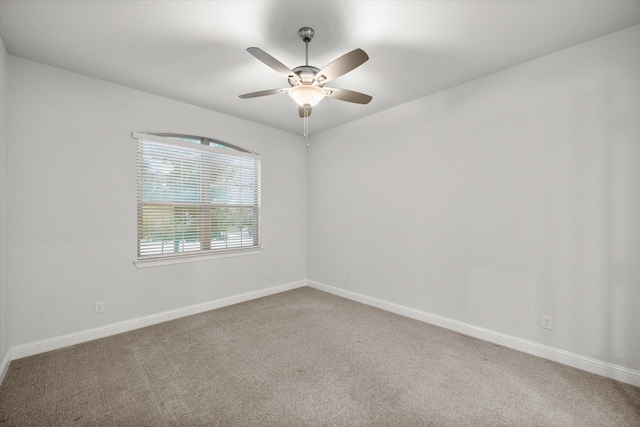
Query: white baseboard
[4, 365]
[42, 346]
[588, 364]
[599, 367]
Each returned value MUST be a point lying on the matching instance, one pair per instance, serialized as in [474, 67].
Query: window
[195, 196]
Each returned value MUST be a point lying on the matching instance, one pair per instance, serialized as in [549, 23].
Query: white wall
[72, 213]
[497, 201]
[5, 345]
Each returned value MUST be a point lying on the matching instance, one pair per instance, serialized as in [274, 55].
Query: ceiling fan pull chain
[306, 125]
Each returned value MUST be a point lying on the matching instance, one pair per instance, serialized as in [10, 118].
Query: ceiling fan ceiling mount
[306, 34]
[307, 82]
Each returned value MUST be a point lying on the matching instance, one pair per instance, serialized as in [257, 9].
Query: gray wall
[72, 205]
[5, 344]
[497, 201]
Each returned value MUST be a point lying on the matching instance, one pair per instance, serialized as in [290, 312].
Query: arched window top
[201, 140]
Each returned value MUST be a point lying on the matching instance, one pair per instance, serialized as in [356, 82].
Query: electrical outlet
[268, 275]
[337, 275]
[547, 322]
[98, 307]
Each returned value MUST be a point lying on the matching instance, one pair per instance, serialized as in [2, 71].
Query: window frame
[204, 205]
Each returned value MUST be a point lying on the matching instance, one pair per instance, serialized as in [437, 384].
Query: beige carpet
[304, 358]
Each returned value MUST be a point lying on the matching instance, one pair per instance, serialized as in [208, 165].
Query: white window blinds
[195, 196]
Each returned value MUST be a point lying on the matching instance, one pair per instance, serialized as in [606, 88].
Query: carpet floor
[304, 358]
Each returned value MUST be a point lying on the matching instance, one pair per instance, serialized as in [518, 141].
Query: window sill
[144, 263]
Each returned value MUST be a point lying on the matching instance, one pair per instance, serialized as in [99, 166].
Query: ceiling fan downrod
[306, 34]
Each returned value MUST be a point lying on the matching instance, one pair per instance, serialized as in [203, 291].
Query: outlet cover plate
[98, 307]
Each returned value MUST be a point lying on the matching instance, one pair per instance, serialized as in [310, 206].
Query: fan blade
[342, 65]
[272, 62]
[302, 112]
[347, 95]
[263, 93]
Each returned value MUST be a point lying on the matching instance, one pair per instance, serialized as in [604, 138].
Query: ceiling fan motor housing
[306, 74]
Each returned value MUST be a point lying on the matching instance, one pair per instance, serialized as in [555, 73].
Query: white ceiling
[194, 51]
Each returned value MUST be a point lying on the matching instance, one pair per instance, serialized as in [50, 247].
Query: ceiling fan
[307, 82]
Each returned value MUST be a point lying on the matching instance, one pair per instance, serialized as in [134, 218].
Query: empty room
[320, 213]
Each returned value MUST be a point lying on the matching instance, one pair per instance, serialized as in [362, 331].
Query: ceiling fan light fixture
[307, 82]
[306, 94]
